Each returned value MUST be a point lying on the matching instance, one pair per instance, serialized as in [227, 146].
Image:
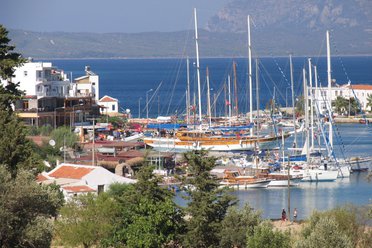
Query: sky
[104, 16]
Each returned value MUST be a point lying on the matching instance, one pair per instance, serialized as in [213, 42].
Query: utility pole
[93, 142]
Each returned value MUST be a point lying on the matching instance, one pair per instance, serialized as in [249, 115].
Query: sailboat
[209, 138]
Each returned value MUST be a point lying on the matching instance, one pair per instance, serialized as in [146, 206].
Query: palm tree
[340, 105]
[369, 101]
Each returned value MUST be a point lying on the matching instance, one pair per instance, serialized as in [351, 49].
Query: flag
[227, 103]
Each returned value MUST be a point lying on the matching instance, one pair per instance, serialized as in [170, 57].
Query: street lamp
[139, 107]
[147, 103]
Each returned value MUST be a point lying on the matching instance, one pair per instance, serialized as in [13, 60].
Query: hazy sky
[129, 16]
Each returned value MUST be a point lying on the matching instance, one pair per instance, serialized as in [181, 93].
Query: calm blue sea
[129, 80]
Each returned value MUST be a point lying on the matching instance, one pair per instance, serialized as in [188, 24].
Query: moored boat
[234, 179]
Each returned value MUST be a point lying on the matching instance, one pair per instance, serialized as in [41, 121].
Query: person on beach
[284, 215]
[295, 215]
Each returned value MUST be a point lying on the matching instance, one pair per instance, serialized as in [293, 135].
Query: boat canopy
[161, 126]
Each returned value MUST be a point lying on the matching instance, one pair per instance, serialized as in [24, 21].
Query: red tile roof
[73, 172]
[361, 87]
[79, 188]
[41, 178]
[108, 99]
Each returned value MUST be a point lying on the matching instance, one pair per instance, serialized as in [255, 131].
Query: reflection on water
[309, 197]
[357, 141]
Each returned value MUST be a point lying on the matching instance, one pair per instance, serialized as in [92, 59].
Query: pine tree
[207, 205]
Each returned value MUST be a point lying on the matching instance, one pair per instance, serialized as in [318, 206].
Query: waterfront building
[52, 98]
[109, 105]
[348, 91]
[75, 179]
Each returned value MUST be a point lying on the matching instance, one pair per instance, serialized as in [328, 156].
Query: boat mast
[316, 94]
[311, 104]
[198, 67]
[250, 74]
[293, 101]
[229, 89]
[188, 91]
[235, 90]
[257, 98]
[209, 100]
[306, 109]
[329, 91]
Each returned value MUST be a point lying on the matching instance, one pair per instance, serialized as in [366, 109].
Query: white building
[41, 79]
[77, 179]
[51, 98]
[87, 85]
[109, 105]
[360, 92]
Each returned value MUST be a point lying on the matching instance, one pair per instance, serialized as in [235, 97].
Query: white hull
[317, 175]
[261, 184]
[169, 144]
[284, 183]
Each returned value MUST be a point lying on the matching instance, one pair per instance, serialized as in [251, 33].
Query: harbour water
[129, 80]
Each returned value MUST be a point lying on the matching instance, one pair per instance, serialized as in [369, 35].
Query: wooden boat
[279, 178]
[234, 179]
[186, 140]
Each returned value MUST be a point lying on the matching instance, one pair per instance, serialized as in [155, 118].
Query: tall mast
[229, 90]
[250, 74]
[306, 109]
[311, 103]
[225, 97]
[257, 97]
[198, 67]
[235, 90]
[329, 91]
[293, 101]
[188, 92]
[209, 100]
[316, 93]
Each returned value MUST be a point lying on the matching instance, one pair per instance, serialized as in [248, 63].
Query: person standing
[295, 215]
[284, 215]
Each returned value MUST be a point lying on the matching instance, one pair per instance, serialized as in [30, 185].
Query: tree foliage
[325, 233]
[264, 236]
[86, 220]
[26, 209]
[345, 219]
[9, 60]
[16, 150]
[237, 224]
[64, 137]
[207, 205]
[369, 101]
[148, 215]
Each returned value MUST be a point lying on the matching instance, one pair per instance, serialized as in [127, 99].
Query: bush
[265, 237]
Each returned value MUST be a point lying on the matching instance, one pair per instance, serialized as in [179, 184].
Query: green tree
[86, 220]
[237, 224]
[9, 60]
[26, 209]
[207, 204]
[325, 233]
[369, 101]
[340, 105]
[16, 151]
[345, 219]
[63, 136]
[265, 237]
[148, 215]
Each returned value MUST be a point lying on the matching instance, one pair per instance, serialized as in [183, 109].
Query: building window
[100, 189]
[25, 73]
[39, 74]
[113, 107]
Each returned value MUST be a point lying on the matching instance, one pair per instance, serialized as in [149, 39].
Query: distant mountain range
[279, 28]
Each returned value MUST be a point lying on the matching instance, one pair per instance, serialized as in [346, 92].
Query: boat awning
[165, 126]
